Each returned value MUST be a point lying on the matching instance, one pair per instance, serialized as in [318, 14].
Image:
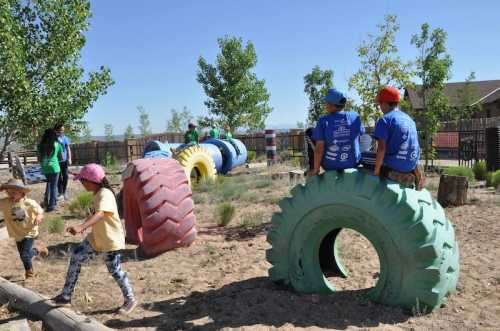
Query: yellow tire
[197, 163]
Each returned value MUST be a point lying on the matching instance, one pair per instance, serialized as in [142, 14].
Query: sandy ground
[220, 283]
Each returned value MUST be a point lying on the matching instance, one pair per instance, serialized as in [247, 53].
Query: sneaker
[60, 197]
[128, 306]
[29, 274]
[61, 301]
[66, 197]
[41, 249]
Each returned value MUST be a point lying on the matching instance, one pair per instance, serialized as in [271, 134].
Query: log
[36, 306]
[452, 190]
[18, 325]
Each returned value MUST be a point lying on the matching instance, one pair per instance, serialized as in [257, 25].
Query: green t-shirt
[191, 137]
[214, 133]
[50, 165]
[228, 135]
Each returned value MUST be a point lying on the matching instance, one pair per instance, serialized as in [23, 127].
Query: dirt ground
[220, 282]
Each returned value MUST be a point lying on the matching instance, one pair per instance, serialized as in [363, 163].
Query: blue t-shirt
[399, 132]
[340, 131]
[65, 142]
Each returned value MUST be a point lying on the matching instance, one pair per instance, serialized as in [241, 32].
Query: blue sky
[152, 47]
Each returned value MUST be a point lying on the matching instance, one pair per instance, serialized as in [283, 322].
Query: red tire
[158, 206]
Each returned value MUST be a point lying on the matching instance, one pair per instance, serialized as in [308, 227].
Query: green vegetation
[236, 96]
[109, 161]
[81, 206]
[495, 179]
[252, 220]
[316, 84]
[55, 225]
[251, 156]
[480, 171]
[225, 213]
[460, 171]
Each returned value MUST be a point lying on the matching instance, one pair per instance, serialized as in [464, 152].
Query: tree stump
[452, 190]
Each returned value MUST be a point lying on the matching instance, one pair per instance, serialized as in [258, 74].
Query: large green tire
[415, 243]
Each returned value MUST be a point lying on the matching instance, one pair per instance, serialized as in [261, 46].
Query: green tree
[433, 68]
[179, 120]
[129, 132]
[380, 66]
[235, 96]
[316, 85]
[108, 132]
[468, 97]
[41, 79]
[144, 123]
[300, 125]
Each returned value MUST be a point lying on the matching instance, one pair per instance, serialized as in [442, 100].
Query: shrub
[495, 179]
[460, 171]
[251, 156]
[489, 179]
[55, 225]
[225, 213]
[480, 170]
[203, 186]
[109, 160]
[263, 183]
[252, 220]
[82, 205]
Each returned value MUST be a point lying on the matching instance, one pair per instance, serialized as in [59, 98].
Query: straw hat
[15, 184]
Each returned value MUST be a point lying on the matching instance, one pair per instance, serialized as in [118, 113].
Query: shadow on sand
[258, 301]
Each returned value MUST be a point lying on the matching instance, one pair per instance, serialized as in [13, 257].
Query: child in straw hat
[22, 217]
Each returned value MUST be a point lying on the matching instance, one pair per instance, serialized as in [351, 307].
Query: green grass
[225, 213]
[81, 205]
[251, 156]
[55, 225]
[480, 170]
[252, 220]
[263, 183]
[204, 186]
[460, 171]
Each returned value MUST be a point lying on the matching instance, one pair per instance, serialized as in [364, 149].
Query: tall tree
[144, 123]
[41, 79]
[316, 85]
[179, 120]
[235, 96]
[468, 97]
[129, 132]
[380, 66]
[108, 132]
[433, 68]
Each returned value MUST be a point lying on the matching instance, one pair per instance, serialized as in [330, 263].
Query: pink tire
[158, 206]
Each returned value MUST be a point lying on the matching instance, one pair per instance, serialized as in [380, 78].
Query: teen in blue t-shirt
[396, 135]
[337, 136]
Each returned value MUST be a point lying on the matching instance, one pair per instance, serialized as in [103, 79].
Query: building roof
[487, 91]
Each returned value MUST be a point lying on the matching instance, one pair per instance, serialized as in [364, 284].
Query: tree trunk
[34, 305]
[452, 190]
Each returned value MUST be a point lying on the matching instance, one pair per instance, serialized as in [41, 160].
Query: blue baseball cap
[335, 97]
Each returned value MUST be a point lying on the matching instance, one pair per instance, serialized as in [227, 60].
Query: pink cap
[91, 172]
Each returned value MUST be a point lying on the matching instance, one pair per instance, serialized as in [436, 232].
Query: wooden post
[33, 304]
[452, 190]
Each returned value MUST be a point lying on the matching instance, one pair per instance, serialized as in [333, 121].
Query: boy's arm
[379, 161]
[91, 220]
[70, 159]
[318, 156]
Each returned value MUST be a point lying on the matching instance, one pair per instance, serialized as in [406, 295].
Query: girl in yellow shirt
[22, 217]
[106, 236]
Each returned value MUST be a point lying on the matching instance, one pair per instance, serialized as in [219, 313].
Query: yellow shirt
[20, 217]
[107, 234]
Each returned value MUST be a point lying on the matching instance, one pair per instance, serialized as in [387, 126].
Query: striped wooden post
[271, 147]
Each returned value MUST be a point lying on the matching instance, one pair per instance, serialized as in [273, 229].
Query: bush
[251, 156]
[109, 160]
[480, 170]
[495, 179]
[225, 213]
[489, 179]
[82, 205]
[252, 220]
[460, 171]
[55, 225]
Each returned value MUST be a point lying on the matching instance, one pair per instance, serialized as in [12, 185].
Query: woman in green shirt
[50, 152]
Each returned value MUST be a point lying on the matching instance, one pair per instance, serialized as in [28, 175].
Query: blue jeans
[112, 259]
[51, 191]
[26, 252]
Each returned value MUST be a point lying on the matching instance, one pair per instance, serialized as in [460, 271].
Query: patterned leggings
[81, 254]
